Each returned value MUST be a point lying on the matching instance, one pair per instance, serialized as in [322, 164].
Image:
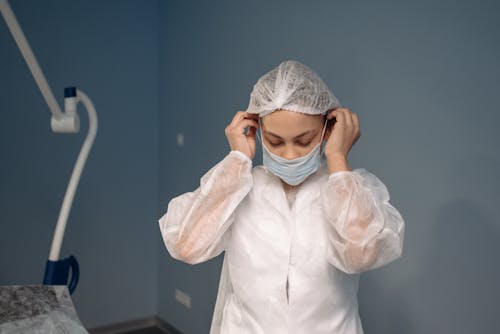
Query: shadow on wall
[461, 278]
[456, 291]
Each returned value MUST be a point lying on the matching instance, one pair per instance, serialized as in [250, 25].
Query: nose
[290, 153]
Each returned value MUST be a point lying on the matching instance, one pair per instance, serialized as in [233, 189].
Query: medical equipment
[57, 271]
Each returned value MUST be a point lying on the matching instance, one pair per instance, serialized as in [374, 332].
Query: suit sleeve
[365, 231]
[196, 225]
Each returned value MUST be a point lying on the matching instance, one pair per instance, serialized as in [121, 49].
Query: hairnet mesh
[291, 86]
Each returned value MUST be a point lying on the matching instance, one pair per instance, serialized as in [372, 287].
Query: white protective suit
[290, 266]
[292, 260]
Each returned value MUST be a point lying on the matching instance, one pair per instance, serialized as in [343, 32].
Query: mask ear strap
[322, 137]
[324, 129]
[259, 130]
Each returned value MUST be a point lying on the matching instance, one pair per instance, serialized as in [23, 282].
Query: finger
[339, 109]
[252, 116]
[339, 116]
[348, 118]
[332, 114]
[344, 116]
[238, 117]
[335, 112]
[355, 121]
[355, 125]
[246, 123]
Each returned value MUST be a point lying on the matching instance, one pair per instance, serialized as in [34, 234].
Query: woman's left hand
[344, 133]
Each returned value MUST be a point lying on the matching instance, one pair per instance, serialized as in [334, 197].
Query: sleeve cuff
[241, 155]
[339, 173]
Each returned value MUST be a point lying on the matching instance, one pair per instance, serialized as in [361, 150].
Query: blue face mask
[293, 171]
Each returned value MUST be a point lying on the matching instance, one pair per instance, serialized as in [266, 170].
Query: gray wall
[109, 49]
[424, 78]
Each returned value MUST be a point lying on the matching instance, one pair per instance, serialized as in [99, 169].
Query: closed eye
[281, 143]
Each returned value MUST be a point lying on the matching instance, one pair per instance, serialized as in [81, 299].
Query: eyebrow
[296, 137]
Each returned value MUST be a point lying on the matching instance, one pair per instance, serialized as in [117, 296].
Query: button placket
[292, 258]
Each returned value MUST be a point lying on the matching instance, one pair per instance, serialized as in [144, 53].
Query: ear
[328, 130]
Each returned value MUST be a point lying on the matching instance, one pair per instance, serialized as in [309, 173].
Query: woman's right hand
[235, 133]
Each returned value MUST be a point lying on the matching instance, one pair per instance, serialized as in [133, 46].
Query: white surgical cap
[291, 86]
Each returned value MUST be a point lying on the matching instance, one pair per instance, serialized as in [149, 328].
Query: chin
[287, 184]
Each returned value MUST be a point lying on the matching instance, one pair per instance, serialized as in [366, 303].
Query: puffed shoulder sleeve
[196, 225]
[364, 229]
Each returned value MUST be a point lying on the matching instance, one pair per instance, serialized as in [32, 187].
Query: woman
[297, 231]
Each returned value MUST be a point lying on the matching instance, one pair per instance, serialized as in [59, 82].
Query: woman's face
[290, 134]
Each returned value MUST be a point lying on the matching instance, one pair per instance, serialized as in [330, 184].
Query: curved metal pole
[75, 176]
[25, 49]
[61, 122]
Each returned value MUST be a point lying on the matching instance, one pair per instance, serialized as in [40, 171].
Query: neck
[286, 186]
